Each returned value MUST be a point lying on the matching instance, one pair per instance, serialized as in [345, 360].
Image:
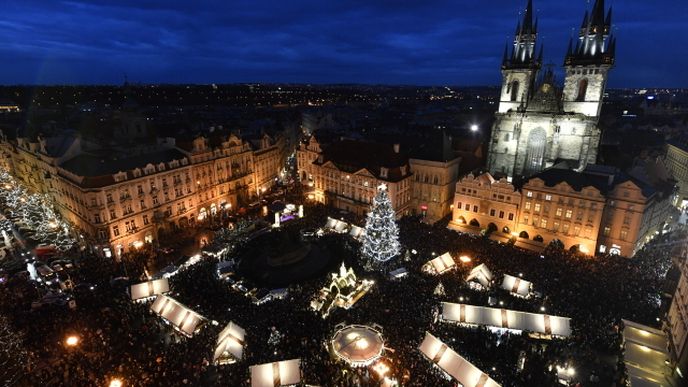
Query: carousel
[357, 345]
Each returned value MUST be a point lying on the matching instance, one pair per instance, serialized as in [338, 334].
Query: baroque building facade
[124, 197]
[537, 124]
[345, 174]
[599, 210]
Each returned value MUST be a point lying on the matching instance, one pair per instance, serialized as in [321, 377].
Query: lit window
[543, 223]
[548, 198]
[527, 207]
[537, 207]
[559, 211]
[529, 194]
[569, 213]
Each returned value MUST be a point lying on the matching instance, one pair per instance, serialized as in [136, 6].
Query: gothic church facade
[538, 123]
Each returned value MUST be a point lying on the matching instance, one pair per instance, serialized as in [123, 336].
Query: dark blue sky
[427, 42]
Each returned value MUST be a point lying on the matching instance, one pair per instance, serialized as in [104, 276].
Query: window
[576, 231]
[139, 188]
[624, 235]
[582, 90]
[527, 207]
[511, 216]
[109, 198]
[558, 212]
[113, 214]
[143, 204]
[492, 212]
[145, 219]
[529, 194]
[102, 234]
[115, 231]
[569, 214]
[127, 226]
[556, 226]
[543, 223]
[155, 200]
[514, 91]
[475, 208]
[458, 205]
[525, 220]
[501, 214]
[96, 218]
[606, 230]
[537, 207]
[565, 228]
[548, 198]
[468, 207]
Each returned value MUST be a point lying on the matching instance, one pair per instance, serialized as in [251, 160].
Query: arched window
[514, 91]
[435, 180]
[582, 90]
[535, 152]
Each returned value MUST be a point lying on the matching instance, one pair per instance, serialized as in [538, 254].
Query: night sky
[422, 42]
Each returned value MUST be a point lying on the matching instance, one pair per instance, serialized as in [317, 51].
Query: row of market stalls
[646, 356]
[540, 325]
[454, 364]
[480, 277]
[230, 344]
[342, 227]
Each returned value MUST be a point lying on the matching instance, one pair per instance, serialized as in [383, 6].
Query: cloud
[373, 41]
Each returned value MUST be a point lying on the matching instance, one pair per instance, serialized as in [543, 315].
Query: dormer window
[383, 172]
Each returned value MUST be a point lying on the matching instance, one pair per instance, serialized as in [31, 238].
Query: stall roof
[149, 289]
[230, 344]
[280, 373]
[646, 355]
[480, 274]
[181, 317]
[517, 286]
[443, 263]
[452, 363]
[506, 319]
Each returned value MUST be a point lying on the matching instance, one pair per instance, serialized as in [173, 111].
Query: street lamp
[72, 341]
[116, 382]
[474, 128]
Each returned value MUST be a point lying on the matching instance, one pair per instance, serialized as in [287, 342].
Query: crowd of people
[124, 340]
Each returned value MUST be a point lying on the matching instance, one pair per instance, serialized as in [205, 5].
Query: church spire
[593, 46]
[523, 53]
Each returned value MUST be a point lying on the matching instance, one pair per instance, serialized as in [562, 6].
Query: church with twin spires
[538, 123]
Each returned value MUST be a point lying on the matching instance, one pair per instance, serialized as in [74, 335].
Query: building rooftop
[352, 156]
[103, 164]
[602, 178]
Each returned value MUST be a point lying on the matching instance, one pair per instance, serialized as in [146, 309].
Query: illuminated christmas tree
[381, 238]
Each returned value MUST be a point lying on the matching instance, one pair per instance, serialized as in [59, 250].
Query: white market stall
[539, 324]
[453, 364]
[230, 344]
[441, 264]
[517, 286]
[276, 374]
[480, 277]
[183, 319]
[148, 289]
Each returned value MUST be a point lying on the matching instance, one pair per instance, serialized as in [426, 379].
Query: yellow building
[483, 202]
[677, 319]
[598, 210]
[122, 198]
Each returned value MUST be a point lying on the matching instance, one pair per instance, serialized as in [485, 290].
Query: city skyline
[433, 43]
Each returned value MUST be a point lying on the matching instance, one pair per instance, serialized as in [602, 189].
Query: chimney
[396, 148]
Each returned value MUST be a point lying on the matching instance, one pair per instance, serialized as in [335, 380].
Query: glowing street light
[116, 382]
[465, 259]
[474, 128]
[72, 341]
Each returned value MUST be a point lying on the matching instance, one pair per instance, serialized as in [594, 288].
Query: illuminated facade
[123, 198]
[677, 319]
[346, 174]
[598, 210]
[537, 124]
[677, 163]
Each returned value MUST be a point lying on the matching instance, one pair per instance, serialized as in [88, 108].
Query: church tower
[588, 62]
[520, 66]
[538, 124]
